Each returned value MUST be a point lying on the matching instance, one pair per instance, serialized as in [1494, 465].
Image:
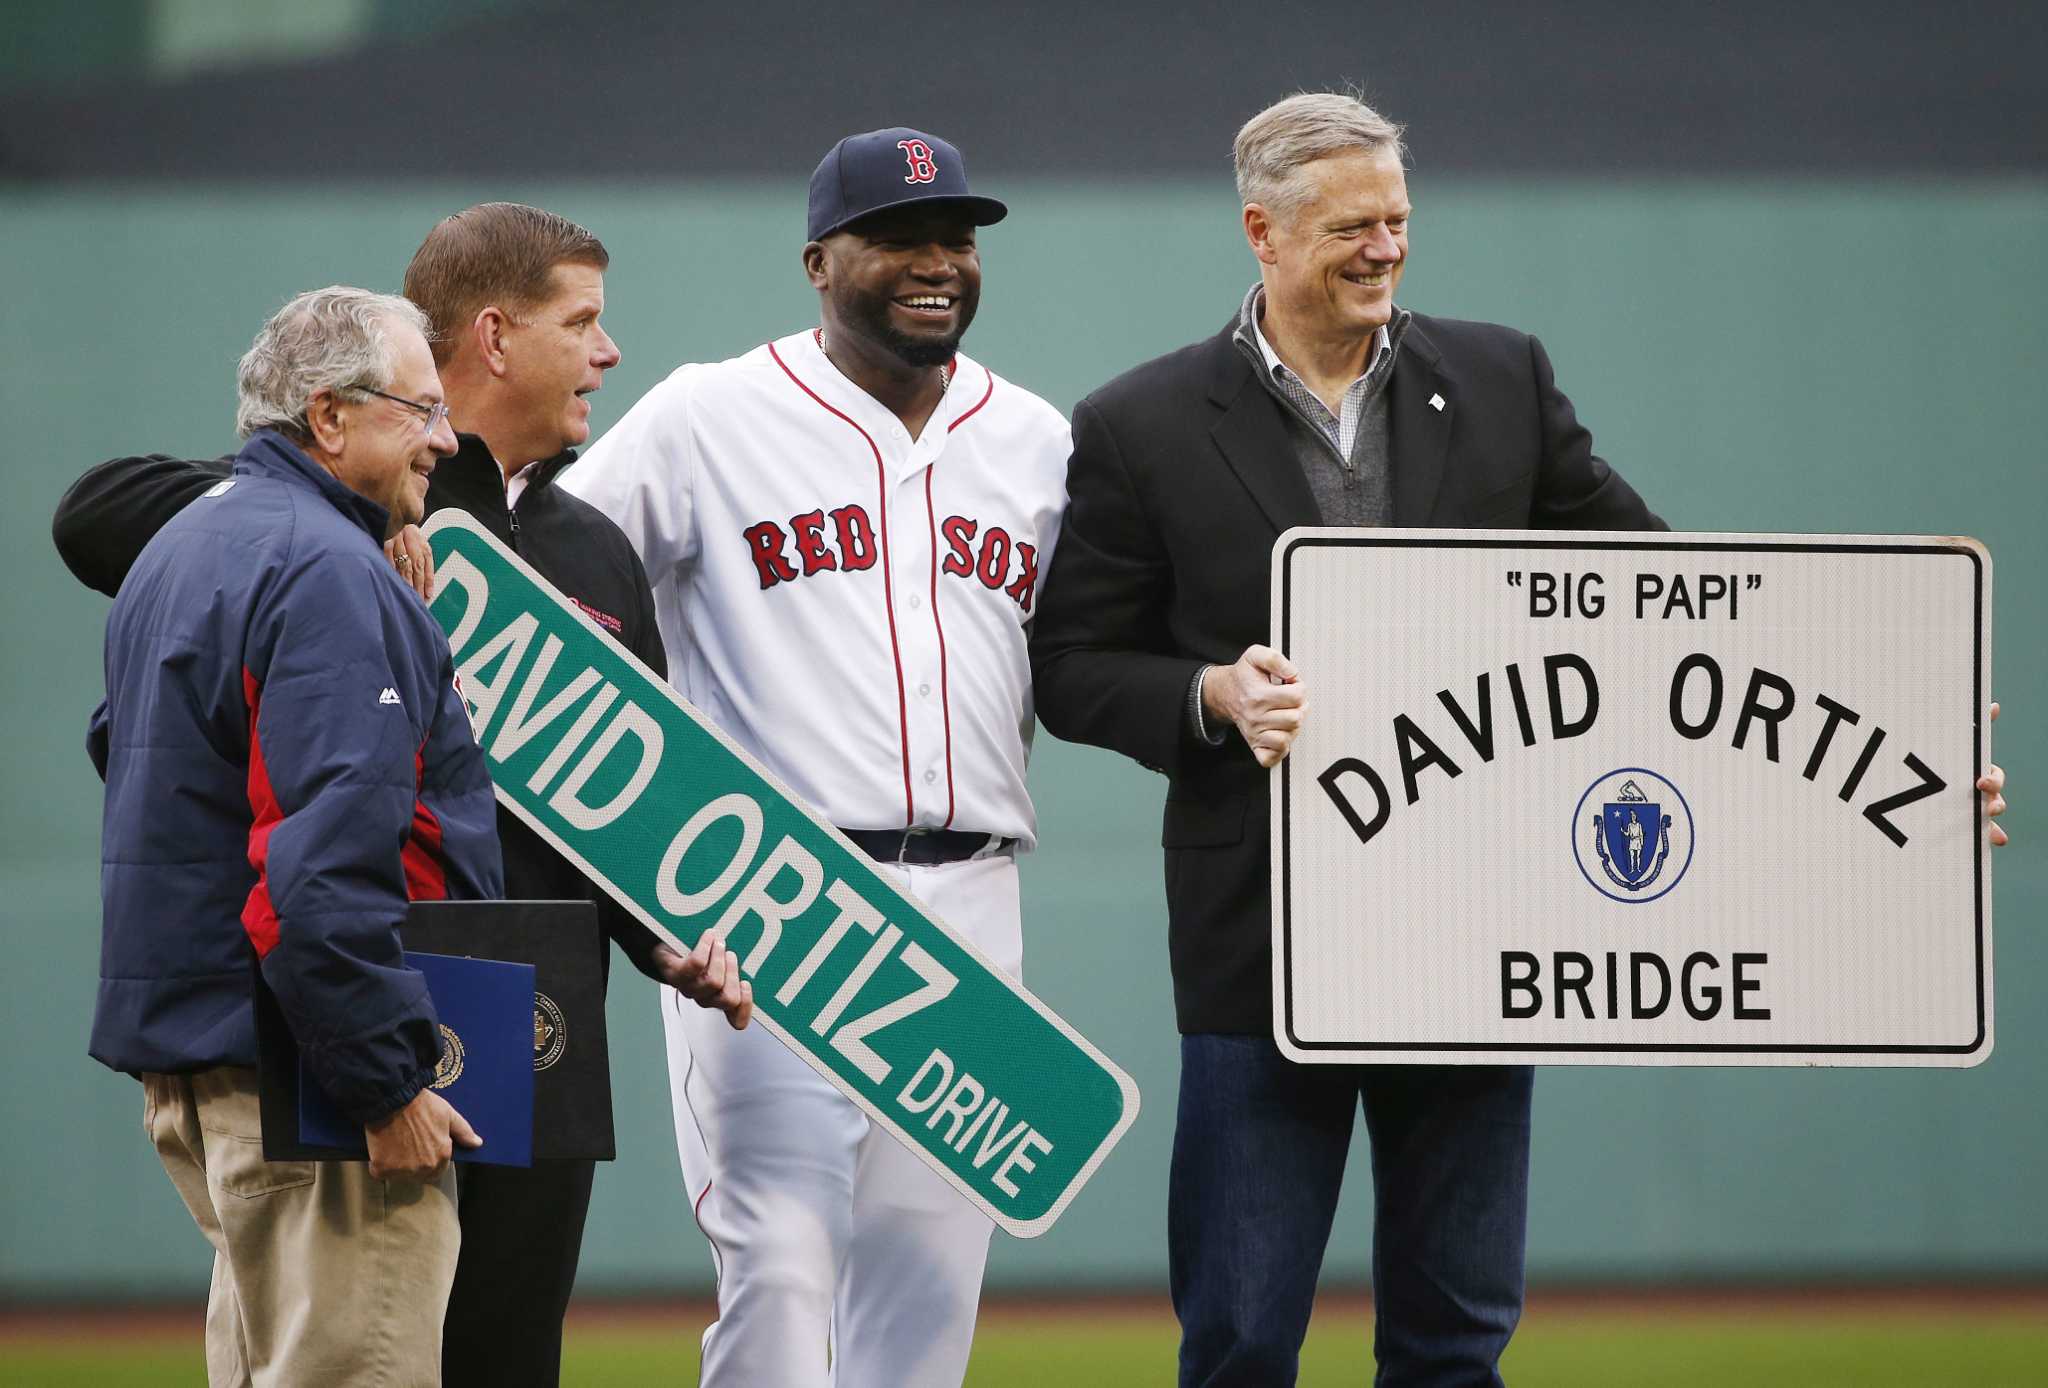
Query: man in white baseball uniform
[845, 530]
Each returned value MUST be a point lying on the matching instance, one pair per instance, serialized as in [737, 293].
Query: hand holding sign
[1262, 694]
[1992, 783]
[710, 977]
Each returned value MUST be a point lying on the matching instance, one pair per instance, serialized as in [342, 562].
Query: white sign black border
[1283, 552]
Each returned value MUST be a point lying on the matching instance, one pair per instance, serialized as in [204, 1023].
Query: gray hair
[1272, 146]
[326, 339]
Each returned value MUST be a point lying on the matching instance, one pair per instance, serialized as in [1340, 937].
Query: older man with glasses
[514, 294]
[280, 713]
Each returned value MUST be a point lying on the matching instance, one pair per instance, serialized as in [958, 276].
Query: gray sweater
[1350, 488]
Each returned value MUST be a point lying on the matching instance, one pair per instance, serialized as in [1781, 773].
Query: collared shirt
[1342, 428]
[517, 482]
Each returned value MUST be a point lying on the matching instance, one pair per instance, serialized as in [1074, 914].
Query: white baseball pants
[842, 1261]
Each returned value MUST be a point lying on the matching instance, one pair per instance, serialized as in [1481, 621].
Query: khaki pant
[320, 1274]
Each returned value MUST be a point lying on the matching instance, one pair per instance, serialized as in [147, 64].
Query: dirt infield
[154, 1320]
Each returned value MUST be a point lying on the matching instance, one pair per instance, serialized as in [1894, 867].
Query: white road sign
[1587, 798]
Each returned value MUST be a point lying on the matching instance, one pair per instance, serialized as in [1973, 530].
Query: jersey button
[925, 690]
[930, 776]
[916, 603]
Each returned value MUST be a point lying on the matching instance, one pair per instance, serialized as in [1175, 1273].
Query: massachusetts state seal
[550, 1031]
[1632, 834]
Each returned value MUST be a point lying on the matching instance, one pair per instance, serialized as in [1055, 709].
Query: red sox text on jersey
[848, 603]
[783, 553]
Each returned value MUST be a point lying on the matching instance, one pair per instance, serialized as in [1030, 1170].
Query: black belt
[923, 847]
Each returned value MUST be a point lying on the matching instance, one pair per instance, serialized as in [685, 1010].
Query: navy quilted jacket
[287, 763]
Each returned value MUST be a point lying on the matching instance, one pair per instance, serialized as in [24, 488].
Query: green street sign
[608, 763]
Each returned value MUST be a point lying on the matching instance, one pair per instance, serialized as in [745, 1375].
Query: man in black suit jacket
[1320, 403]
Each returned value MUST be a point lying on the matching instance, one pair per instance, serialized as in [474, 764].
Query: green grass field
[1580, 1349]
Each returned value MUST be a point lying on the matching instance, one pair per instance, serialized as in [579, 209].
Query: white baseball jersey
[850, 606]
[848, 603]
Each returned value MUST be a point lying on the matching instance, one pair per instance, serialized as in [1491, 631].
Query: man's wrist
[410, 1091]
[1197, 720]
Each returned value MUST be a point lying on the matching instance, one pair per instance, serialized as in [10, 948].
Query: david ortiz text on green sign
[959, 1062]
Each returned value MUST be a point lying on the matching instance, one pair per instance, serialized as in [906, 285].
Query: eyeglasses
[432, 414]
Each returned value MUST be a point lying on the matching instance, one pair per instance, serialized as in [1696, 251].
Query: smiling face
[385, 452]
[1332, 265]
[556, 354]
[905, 281]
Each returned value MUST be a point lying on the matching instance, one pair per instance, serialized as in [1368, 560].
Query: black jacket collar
[473, 475]
[1252, 433]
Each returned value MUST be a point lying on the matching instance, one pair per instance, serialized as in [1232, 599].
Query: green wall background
[1798, 357]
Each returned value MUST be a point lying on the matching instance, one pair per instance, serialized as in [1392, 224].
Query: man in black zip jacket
[514, 294]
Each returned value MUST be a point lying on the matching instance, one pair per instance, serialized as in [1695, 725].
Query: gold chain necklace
[945, 372]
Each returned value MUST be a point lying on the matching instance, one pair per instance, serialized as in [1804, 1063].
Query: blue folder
[486, 1070]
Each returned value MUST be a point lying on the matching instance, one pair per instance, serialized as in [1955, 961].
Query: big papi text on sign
[1691, 799]
[609, 764]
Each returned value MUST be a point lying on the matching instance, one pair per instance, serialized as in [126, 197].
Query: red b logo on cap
[922, 169]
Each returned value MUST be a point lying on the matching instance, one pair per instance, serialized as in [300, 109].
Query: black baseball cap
[891, 168]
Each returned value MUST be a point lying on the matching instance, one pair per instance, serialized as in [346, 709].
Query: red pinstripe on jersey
[975, 408]
[945, 694]
[888, 580]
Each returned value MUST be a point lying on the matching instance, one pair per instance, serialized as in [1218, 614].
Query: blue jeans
[1258, 1157]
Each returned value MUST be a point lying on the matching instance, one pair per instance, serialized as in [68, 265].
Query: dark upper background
[110, 90]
